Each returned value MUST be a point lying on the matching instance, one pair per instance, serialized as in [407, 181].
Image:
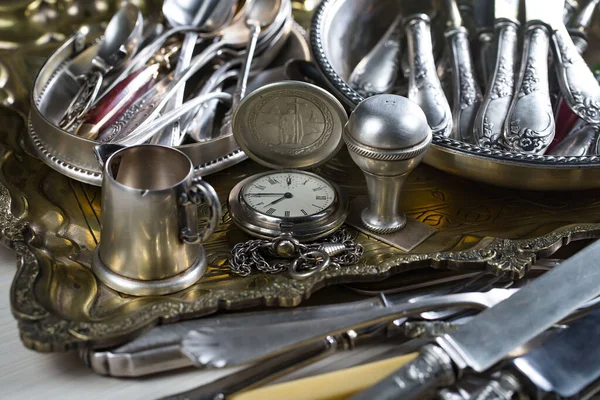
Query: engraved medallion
[289, 125]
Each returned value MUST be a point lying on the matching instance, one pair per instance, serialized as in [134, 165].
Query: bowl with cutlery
[132, 81]
[509, 88]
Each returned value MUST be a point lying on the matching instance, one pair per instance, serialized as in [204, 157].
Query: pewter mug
[150, 242]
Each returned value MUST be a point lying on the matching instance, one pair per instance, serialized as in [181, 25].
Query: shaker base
[410, 236]
[137, 287]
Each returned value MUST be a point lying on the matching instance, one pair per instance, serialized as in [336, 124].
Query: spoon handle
[425, 88]
[496, 102]
[242, 83]
[142, 57]
[530, 127]
[171, 134]
[578, 86]
[467, 95]
[145, 132]
[150, 106]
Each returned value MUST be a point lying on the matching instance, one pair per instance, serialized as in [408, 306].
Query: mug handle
[200, 192]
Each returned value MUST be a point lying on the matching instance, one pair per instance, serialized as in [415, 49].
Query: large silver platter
[73, 156]
[343, 31]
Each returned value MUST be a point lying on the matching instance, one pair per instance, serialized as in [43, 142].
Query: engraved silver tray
[337, 48]
[74, 157]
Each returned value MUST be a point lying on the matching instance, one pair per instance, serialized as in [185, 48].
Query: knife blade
[529, 127]
[484, 341]
[496, 103]
[566, 364]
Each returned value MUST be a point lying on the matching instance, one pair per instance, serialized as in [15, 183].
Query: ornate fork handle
[529, 127]
[467, 95]
[578, 86]
[425, 88]
[490, 118]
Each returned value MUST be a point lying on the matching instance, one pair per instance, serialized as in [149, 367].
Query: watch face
[289, 194]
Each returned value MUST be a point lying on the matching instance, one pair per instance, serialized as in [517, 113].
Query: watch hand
[287, 195]
[264, 194]
[275, 201]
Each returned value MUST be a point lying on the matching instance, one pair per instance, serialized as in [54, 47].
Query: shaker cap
[388, 126]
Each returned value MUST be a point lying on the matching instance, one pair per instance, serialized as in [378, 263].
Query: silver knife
[500, 88]
[578, 86]
[494, 333]
[567, 364]
[530, 127]
[217, 341]
[466, 92]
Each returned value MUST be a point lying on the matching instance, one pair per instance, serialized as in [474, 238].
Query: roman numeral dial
[288, 194]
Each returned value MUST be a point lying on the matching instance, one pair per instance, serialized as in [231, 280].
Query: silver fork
[300, 343]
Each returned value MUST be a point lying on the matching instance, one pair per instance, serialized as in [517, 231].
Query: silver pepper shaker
[387, 136]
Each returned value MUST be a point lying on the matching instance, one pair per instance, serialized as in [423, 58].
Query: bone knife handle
[425, 88]
[578, 86]
[418, 379]
[529, 127]
[466, 92]
[490, 118]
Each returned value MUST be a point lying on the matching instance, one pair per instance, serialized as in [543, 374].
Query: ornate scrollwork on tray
[61, 306]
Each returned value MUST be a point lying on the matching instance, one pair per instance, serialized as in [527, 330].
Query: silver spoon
[259, 14]
[232, 36]
[121, 40]
[208, 15]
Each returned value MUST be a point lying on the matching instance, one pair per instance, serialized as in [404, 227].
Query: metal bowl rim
[445, 144]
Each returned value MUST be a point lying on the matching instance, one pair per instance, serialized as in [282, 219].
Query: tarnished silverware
[121, 40]
[578, 86]
[289, 343]
[566, 119]
[160, 349]
[496, 103]
[582, 140]
[564, 366]
[376, 73]
[425, 88]
[529, 127]
[209, 16]
[465, 90]
[482, 342]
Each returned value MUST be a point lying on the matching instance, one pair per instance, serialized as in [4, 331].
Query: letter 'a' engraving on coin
[290, 122]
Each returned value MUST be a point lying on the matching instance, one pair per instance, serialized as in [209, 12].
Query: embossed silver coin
[289, 124]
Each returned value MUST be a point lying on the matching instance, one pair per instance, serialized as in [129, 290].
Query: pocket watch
[290, 126]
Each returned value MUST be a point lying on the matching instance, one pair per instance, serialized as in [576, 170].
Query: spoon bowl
[122, 36]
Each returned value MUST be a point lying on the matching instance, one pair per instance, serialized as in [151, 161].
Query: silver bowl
[343, 31]
[73, 156]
